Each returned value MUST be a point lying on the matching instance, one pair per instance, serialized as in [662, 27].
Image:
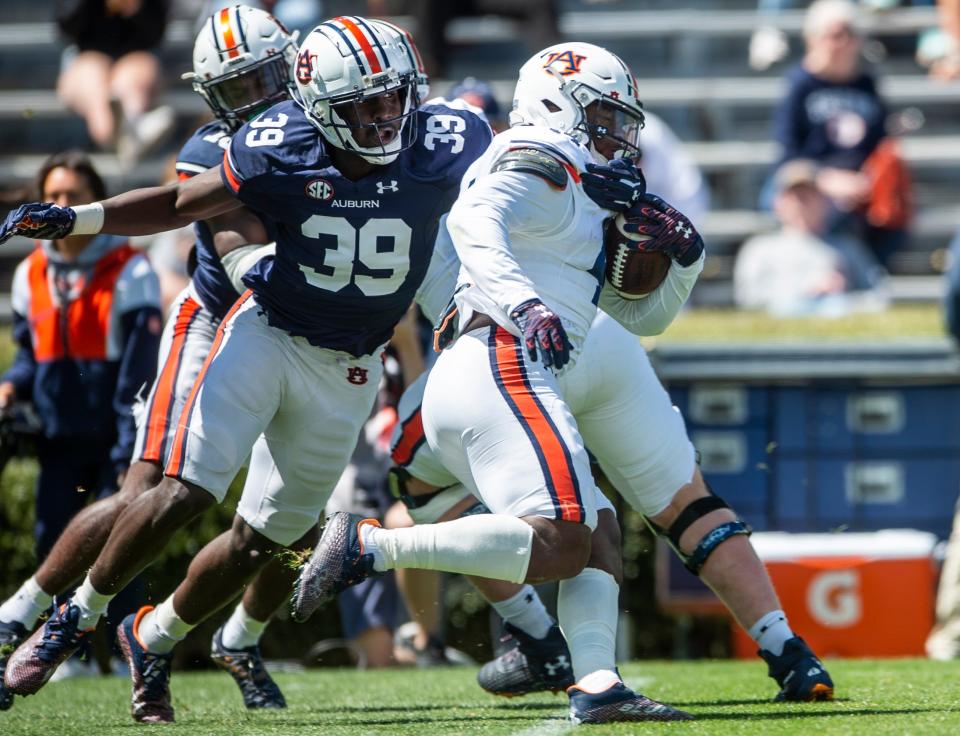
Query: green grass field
[874, 697]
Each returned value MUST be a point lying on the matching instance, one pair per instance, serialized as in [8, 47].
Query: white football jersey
[520, 237]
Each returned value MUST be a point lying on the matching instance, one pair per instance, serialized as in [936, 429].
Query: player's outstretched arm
[139, 212]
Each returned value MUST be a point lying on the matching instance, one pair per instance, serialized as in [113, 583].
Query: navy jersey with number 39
[350, 254]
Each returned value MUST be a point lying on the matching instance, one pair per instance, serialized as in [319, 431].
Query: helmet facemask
[345, 121]
[614, 129]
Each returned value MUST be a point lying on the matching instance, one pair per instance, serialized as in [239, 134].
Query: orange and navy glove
[38, 220]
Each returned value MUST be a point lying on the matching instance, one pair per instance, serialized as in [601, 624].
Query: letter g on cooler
[834, 598]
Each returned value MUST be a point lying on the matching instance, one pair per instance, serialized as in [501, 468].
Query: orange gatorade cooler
[852, 595]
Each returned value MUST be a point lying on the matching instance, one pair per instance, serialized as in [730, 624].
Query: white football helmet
[242, 63]
[558, 84]
[347, 61]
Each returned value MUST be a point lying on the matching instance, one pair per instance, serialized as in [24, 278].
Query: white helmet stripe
[329, 27]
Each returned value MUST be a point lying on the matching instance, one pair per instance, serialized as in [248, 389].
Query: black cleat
[338, 562]
[531, 666]
[617, 704]
[800, 675]
[247, 669]
[11, 635]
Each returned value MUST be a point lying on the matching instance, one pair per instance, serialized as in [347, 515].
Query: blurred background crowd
[814, 146]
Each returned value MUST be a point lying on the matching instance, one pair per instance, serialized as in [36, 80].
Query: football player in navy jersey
[237, 80]
[355, 175]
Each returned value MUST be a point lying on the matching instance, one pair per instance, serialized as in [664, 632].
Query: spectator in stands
[833, 114]
[939, 48]
[943, 643]
[110, 75]
[480, 95]
[800, 268]
[86, 320]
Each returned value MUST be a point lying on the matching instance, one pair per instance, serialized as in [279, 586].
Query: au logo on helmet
[304, 66]
[571, 61]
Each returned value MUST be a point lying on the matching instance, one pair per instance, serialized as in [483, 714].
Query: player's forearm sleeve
[240, 260]
[483, 221]
[654, 313]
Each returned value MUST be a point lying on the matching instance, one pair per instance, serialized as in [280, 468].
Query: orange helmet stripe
[226, 30]
[363, 43]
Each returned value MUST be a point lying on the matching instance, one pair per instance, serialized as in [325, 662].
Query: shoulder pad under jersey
[533, 161]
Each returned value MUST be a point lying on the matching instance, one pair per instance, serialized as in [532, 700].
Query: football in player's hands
[632, 271]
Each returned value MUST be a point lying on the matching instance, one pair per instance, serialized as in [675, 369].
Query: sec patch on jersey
[632, 272]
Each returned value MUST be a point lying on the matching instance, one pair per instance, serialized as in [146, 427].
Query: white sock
[242, 630]
[771, 632]
[588, 607]
[487, 545]
[526, 611]
[92, 604]
[161, 629]
[597, 682]
[26, 605]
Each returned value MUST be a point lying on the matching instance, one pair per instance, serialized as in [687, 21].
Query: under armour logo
[391, 187]
[560, 665]
[357, 376]
[685, 229]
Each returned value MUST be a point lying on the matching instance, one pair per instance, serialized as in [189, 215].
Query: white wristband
[89, 219]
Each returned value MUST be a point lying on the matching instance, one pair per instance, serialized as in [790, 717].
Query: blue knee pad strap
[711, 541]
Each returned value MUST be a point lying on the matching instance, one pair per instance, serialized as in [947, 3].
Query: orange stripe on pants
[554, 458]
[158, 415]
[411, 435]
[178, 453]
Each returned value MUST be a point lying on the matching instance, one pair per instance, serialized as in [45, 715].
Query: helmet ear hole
[552, 107]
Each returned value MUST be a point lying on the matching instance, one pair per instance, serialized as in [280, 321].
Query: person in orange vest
[87, 324]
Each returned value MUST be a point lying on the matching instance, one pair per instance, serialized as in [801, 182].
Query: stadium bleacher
[723, 115]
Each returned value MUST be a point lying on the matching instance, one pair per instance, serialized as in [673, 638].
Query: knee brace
[710, 541]
[426, 508]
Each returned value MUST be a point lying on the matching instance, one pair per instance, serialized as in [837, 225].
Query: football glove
[616, 186]
[38, 220]
[543, 333]
[669, 231]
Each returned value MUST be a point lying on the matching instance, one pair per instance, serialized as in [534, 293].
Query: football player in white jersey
[530, 241]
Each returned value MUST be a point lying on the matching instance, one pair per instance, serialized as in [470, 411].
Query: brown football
[632, 273]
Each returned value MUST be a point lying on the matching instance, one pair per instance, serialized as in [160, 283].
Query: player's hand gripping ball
[632, 268]
[38, 220]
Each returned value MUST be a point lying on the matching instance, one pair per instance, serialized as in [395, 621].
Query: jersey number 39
[375, 257]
